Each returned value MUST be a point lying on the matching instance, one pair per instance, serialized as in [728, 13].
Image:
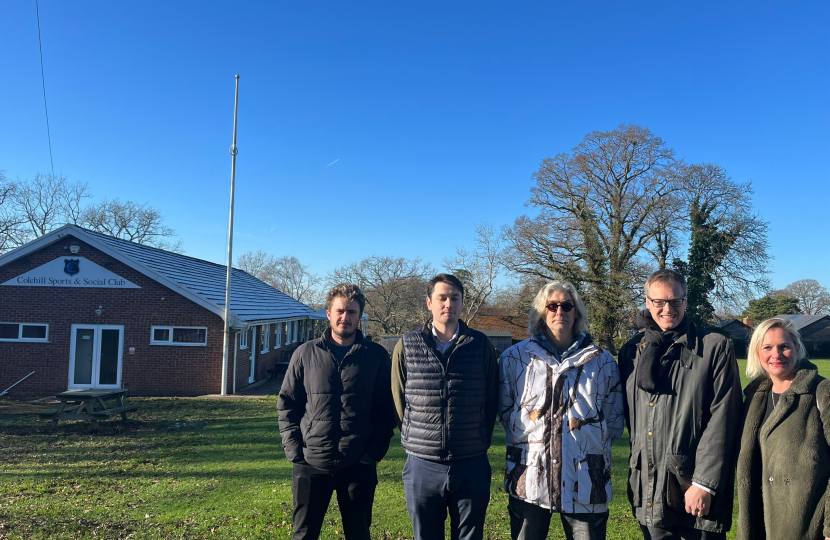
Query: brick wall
[263, 362]
[152, 371]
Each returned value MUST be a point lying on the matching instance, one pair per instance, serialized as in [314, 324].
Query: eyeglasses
[553, 306]
[675, 302]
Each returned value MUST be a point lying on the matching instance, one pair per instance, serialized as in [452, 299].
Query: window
[243, 344]
[187, 336]
[264, 338]
[294, 335]
[278, 336]
[24, 332]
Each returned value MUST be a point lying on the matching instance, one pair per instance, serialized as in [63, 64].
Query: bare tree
[45, 203]
[395, 290]
[10, 222]
[296, 280]
[32, 208]
[286, 274]
[139, 223]
[727, 261]
[597, 213]
[477, 269]
[255, 263]
[728, 243]
[813, 298]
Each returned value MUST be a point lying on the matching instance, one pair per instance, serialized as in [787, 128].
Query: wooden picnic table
[89, 405]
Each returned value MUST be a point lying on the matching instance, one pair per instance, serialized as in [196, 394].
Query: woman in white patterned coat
[561, 408]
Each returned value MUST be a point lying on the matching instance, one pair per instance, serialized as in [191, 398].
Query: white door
[95, 356]
[254, 346]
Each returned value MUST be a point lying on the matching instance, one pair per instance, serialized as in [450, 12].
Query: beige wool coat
[784, 464]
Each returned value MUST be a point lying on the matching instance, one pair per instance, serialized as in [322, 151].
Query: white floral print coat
[560, 417]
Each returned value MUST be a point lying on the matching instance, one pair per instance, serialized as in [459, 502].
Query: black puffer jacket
[330, 414]
[445, 415]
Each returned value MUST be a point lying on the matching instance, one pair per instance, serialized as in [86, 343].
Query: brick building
[87, 310]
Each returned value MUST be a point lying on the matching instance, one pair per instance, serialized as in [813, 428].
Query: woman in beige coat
[784, 462]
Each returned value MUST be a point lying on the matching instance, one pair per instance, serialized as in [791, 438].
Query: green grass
[190, 468]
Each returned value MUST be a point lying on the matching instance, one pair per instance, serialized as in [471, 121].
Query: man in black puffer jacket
[336, 417]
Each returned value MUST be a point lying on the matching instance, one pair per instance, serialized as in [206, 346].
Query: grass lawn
[192, 468]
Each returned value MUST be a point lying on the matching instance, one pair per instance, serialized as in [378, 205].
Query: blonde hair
[753, 361]
[536, 319]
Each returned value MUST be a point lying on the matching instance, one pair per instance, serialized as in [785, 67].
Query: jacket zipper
[446, 400]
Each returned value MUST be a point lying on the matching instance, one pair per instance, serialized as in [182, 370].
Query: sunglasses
[675, 302]
[553, 306]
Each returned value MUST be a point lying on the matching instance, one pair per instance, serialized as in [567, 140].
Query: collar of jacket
[582, 341]
[463, 333]
[804, 381]
[585, 351]
[325, 341]
[692, 341]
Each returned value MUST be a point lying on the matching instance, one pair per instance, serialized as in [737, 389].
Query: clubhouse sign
[71, 271]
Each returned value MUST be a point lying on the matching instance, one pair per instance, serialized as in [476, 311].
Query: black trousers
[312, 489]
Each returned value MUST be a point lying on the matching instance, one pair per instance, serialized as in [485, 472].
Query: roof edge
[73, 230]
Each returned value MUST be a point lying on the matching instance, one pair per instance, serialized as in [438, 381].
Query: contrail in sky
[332, 163]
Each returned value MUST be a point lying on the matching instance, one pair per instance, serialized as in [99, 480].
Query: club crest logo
[71, 267]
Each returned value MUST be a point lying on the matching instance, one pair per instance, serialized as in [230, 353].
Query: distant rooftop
[801, 321]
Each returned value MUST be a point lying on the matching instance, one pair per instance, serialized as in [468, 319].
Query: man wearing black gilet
[445, 387]
[336, 420]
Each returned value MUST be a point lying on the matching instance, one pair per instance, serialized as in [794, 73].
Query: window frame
[265, 337]
[170, 342]
[21, 339]
[243, 340]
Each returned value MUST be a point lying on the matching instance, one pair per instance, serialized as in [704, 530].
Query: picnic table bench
[89, 405]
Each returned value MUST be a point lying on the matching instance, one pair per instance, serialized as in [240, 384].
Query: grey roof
[202, 281]
[726, 322]
[801, 321]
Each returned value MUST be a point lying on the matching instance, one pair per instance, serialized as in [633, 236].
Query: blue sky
[437, 114]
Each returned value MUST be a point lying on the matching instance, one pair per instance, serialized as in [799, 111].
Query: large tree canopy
[598, 208]
[727, 256]
[619, 206]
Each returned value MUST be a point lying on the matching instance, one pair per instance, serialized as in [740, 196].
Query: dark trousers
[312, 488]
[531, 522]
[432, 488]
[680, 533]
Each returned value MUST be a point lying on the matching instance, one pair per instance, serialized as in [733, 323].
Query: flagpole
[234, 150]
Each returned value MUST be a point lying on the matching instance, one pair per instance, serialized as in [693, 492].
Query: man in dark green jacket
[683, 409]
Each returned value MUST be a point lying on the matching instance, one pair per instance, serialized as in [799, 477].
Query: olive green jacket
[784, 463]
[685, 432]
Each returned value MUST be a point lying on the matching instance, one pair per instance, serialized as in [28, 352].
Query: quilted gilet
[444, 417]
